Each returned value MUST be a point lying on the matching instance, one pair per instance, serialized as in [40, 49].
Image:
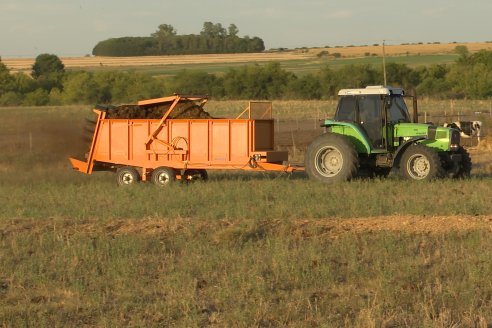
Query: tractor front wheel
[421, 163]
[331, 158]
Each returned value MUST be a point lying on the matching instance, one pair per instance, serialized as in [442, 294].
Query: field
[243, 250]
[299, 61]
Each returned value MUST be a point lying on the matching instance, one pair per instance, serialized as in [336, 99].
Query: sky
[73, 27]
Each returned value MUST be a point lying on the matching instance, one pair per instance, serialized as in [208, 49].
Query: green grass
[41, 194]
[242, 250]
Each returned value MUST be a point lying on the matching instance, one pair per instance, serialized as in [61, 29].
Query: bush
[11, 98]
[38, 97]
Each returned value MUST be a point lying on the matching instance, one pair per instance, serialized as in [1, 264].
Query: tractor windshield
[397, 110]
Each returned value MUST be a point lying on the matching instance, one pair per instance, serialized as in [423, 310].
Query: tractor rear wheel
[421, 163]
[163, 176]
[127, 175]
[331, 158]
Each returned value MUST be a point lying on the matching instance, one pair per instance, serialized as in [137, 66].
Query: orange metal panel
[239, 141]
[119, 140]
[220, 140]
[179, 136]
[163, 136]
[139, 133]
[101, 150]
[199, 141]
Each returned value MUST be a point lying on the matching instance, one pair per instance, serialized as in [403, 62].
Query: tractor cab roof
[372, 90]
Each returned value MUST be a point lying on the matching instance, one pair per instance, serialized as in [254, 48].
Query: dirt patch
[400, 224]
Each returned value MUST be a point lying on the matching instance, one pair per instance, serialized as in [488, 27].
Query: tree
[461, 50]
[6, 79]
[233, 31]
[47, 64]
[165, 36]
[213, 38]
[48, 70]
[197, 82]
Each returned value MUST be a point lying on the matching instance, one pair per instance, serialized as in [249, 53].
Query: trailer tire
[195, 175]
[331, 158]
[127, 176]
[420, 162]
[163, 176]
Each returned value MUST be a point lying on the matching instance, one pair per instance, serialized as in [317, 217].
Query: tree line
[213, 38]
[49, 84]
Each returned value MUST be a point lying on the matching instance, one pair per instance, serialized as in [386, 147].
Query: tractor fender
[401, 149]
[359, 137]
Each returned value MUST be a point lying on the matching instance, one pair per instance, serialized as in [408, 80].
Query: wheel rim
[163, 178]
[328, 161]
[418, 166]
[127, 178]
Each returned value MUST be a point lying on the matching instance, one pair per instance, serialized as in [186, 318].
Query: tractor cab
[374, 109]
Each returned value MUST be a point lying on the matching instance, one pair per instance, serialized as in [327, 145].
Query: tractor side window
[346, 109]
[370, 109]
[397, 110]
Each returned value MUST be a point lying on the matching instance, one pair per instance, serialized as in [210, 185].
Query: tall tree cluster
[213, 38]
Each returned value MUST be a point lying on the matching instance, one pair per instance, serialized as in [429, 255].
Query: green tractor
[372, 133]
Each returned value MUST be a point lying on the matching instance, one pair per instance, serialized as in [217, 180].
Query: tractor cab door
[366, 111]
[371, 118]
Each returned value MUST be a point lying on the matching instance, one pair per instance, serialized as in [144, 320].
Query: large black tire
[163, 176]
[127, 176]
[331, 158]
[465, 168]
[421, 163]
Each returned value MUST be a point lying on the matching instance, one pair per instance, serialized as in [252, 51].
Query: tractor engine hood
[418, 130]
[435, 136]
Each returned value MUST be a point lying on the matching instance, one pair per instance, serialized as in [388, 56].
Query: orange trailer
[163, 150]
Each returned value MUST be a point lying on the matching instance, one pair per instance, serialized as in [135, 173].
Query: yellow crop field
[25, 64]
[407, 49]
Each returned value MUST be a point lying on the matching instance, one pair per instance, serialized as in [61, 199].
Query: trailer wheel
[465, 165]
[163, 176]
[194, 175]
[331, 158]
[127, 175]
[420, 162]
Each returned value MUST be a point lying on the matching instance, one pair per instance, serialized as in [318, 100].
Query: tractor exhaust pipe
[415, 106]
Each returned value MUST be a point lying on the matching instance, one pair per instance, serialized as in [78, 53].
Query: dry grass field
[241, 250]
[25, 64]
[407, 49]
